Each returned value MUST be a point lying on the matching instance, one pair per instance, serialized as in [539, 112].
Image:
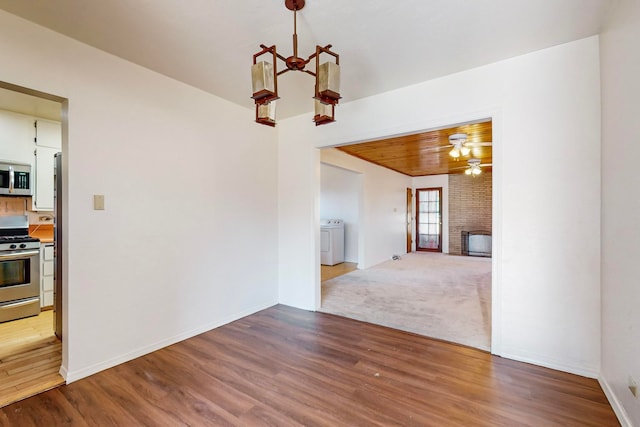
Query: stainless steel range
[19, 269]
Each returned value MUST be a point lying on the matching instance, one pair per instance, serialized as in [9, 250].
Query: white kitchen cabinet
[17, 135]
[48, 143]
[21, 138]
[48, 134]
[47, 268]
[44, 170]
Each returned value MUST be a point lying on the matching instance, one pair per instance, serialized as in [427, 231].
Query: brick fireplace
[469, 207]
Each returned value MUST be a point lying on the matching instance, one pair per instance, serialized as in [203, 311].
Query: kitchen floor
[30, 357]
[330, 271]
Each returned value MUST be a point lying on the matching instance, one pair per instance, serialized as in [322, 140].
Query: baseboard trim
[555, 365]
[63, 372]
[76, 375]
[615, 403]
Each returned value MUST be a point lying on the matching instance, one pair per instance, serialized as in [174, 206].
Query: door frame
[62, 218]
[409, 219]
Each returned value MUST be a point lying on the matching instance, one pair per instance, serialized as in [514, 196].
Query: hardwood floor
[30, 357]
[330, 271]
[289, 367]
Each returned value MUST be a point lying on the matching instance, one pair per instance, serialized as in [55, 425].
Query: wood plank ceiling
[427, 153]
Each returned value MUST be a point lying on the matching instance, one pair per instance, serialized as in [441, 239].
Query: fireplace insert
[476, 243]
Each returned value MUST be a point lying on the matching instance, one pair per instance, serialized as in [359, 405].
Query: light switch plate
[98, 202]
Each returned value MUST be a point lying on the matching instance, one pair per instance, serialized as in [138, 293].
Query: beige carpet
[436, 295]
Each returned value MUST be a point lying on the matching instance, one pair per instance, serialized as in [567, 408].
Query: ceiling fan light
[465, 150]
[476, 170]
[467, 172]
[455, 153]
[458, 138]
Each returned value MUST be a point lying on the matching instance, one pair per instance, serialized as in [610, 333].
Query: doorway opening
[32, 347]
[438, 207]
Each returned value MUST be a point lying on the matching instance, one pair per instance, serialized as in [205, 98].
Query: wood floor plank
[30, 357]
[289, 367]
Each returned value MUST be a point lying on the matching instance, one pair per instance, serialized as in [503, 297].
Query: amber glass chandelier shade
[324, 113]
[263, 79]
[329, 82]
[266, 113]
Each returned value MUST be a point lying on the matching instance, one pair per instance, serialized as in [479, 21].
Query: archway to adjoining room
[443, 295]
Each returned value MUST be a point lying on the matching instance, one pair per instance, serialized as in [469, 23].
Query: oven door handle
[17, 304]
[20, 255]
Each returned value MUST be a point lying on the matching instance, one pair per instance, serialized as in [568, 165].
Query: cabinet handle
[17, 304]
[19, 255]
[11, 179]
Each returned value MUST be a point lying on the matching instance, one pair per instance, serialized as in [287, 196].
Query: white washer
[331, 241]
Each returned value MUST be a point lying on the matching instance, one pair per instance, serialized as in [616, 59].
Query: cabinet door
[47, 284]
[43, 198]
[47, 269]
[16, 137]
[48, 134]
[48, 253]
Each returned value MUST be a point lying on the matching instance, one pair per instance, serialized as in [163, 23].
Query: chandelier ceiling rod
[295, 32]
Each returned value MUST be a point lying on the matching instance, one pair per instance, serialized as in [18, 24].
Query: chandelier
[458, 141]
[264, 77]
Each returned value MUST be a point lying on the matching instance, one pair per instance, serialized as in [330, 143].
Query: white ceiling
[383, 44]
[30, 105]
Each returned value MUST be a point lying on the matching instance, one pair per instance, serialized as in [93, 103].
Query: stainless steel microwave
[15, 179]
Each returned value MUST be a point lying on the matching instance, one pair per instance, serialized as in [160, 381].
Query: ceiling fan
[461, 146]
[474, 167]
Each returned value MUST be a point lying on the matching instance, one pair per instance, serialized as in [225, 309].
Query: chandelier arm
[264, 50]
[322, 49]
[283, 71]
[309, 72]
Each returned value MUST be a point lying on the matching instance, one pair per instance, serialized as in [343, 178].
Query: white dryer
[331, 241]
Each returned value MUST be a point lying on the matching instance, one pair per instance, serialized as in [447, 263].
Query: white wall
[340, 197]
[168, 256]
[620, 59]
[545, 108]
[433, 181]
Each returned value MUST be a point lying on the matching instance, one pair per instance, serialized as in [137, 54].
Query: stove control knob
[22, 246]
[12, 246]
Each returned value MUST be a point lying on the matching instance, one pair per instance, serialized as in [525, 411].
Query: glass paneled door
[429, 219]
